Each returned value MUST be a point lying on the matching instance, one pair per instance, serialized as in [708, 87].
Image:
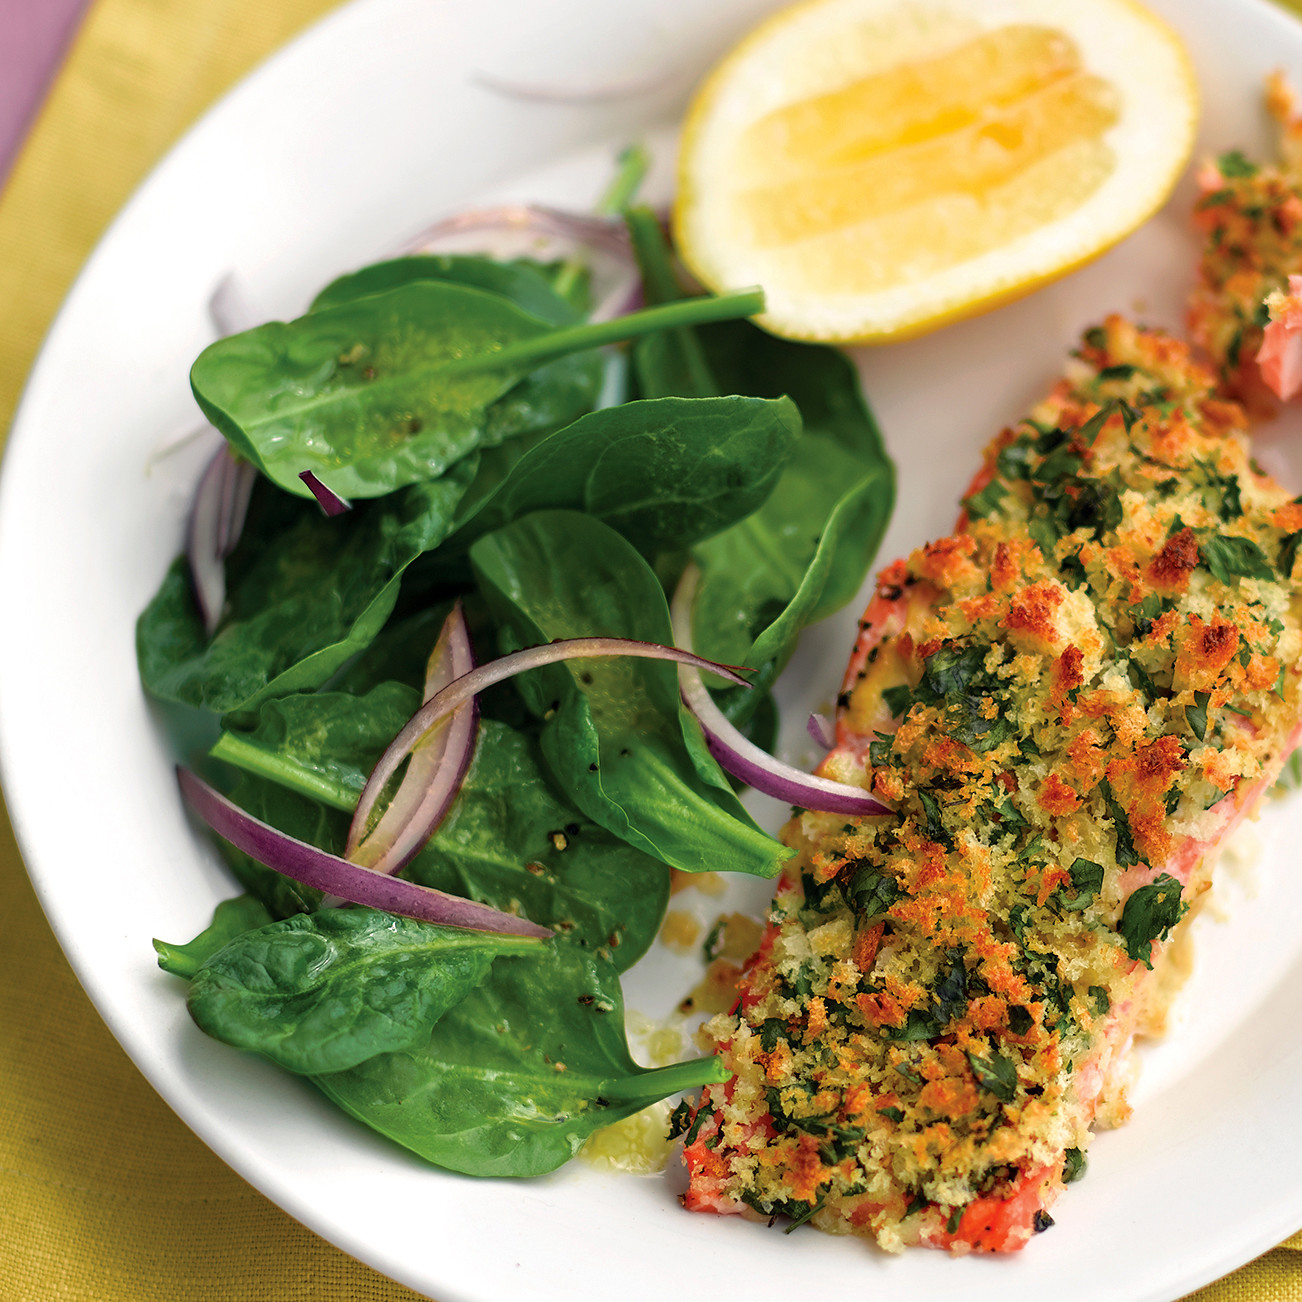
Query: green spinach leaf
[324, 992]
[806, 551]
[305, 594]
[552, 396]
[392, 388]
[616, 736]
[230, 919]
[510, 840]
[513, 1080]
[323, 745]
[665, 473]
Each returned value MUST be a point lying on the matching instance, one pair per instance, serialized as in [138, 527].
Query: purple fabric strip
[34, 34]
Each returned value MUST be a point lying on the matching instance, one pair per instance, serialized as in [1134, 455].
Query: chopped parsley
[1127, 856]
[996, 1074]
[1231, 557]
[1086, 883]
[1149, 915]
[986, 501]
[1234, 165]
[970, 699]
[897, 699]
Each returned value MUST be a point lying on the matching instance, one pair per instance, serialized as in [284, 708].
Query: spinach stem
[632, 163]
[558, 343]
[664, 1081]
[283, 771]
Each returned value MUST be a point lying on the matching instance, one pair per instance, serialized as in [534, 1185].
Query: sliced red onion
[327, 872]
[328, 500]
[468, 686]
[822, 730]
[593, 93]
[435, 771]
[221, 503]
[229, 309]
[737, 753]
[548, 235]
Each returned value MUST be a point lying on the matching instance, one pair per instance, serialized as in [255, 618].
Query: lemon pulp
[931, 162]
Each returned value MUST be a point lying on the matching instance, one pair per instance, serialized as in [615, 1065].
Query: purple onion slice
[228, 309]
[822, 730]
[737, 753]
[327, 499]
[591, 93]
[335, 876]
[548, 235]
[221, 503]
[435, 770]
[468, 686]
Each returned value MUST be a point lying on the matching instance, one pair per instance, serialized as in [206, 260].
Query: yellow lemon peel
[882, 167]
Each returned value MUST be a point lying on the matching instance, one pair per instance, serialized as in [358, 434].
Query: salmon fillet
[1068, 703]
[1244, 313]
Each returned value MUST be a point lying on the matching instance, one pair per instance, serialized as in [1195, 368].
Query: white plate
[346, 143]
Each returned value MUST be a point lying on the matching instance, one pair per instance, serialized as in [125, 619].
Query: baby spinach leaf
[616, 737]
[665, 472]
[326, 991]
[510, 840]
[524, 283]
[400, 652]
[323, 745]
[513, 1080]
[392, 388]
[1149, 914]
[552, 396]
[806, 551]
[230, 919]
[305, 594]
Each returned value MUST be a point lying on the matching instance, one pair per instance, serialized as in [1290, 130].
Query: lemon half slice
[882, 167]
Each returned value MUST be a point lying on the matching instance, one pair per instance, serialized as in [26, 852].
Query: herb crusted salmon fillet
[1068, 703]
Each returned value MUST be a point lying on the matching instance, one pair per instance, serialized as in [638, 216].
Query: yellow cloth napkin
[105, 1196]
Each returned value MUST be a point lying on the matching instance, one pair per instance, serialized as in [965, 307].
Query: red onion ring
[327, 872]
[436, 769]
[468, 686]
[822, 730]
[548, 235]
[327, 499]
[602, 93]
[217, 514]
[737, 753]
[228, 309]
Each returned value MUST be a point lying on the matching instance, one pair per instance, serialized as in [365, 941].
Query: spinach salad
[461, 405]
